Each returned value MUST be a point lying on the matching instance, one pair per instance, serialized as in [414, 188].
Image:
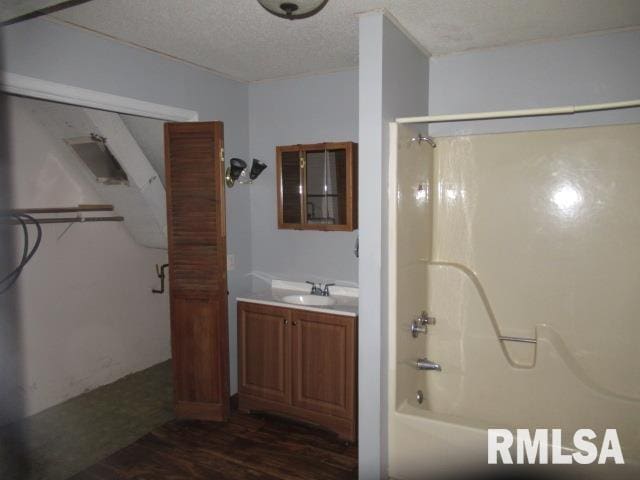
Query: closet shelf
[85, 208]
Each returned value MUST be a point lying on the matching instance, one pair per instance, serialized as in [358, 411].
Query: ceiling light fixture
[293, 9]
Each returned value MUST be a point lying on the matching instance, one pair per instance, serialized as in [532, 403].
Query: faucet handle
[325, 291]
[425, 319]
[314, 288]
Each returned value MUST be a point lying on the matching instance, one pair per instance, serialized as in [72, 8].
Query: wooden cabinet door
[197, 269]
[323, 363]
[264, 351]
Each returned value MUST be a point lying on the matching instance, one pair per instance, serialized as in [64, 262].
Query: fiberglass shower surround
[521, 245]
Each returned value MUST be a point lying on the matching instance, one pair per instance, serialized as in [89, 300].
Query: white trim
[532, 112]
[15, 84]
[392, 268]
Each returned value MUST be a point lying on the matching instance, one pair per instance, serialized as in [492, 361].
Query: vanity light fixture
[293, 9]
[234, 170]
[237, 168]
[256, 169]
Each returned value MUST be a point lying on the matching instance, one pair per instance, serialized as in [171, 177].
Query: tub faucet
[425, 364]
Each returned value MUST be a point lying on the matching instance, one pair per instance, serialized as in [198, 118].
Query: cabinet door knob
[294, 323]
[286, 321]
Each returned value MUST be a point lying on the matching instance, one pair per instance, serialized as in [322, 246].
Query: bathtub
[483, 385]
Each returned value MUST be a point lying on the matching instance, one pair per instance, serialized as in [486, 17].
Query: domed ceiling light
[293, 9]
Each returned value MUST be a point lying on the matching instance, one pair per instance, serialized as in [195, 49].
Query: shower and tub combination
[513, 289]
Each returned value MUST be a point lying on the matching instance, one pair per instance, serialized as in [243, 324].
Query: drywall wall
[51, 51]
[87, 313]
[11, 361]
[309, 109]
[589, 69]
[392, 75]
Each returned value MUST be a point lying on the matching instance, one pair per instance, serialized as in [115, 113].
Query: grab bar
[503, 338]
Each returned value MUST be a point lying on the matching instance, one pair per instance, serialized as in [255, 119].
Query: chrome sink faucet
[325, 290]
[316, 289]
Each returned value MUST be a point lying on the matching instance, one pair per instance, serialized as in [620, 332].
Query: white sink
[309, 300]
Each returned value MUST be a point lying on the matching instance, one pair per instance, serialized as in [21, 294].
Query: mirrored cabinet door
[327, 186]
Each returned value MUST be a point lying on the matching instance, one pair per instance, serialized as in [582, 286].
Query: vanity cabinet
[298, 363]
[317, 186]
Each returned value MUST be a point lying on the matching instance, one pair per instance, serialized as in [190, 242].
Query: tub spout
[425, 364]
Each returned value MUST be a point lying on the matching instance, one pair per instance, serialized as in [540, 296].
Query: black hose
[25, 250]
[10, 279]
[36, 245]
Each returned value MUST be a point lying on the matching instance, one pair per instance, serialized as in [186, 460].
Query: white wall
[149, 134]
[590, 69]
[393, 72]
[87, 313]
[51, 51]
[312, 109]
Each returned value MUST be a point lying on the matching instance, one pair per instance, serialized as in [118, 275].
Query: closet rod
[65, 220]
[78, 209]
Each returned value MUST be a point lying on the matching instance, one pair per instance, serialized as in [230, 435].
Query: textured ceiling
[241, 40]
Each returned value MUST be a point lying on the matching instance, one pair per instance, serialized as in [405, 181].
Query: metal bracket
[161, 275]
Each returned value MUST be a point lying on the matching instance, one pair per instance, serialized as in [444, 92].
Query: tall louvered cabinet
[194, 163]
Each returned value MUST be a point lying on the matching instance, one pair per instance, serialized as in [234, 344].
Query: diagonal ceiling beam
[12, 11]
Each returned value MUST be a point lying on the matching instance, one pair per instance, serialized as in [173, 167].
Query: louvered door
[197, 269]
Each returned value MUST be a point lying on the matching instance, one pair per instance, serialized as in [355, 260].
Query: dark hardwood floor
[246, 447]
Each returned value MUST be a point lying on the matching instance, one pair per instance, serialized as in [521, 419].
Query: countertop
[346, 298]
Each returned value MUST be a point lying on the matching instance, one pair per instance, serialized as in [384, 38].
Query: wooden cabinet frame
[306, 367]
[351, 186]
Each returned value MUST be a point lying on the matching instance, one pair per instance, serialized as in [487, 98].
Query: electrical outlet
[231, 262]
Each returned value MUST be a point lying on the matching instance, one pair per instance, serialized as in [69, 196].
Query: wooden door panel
[323, 359]
[197, 268]
[196, 356]
[263, 351]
